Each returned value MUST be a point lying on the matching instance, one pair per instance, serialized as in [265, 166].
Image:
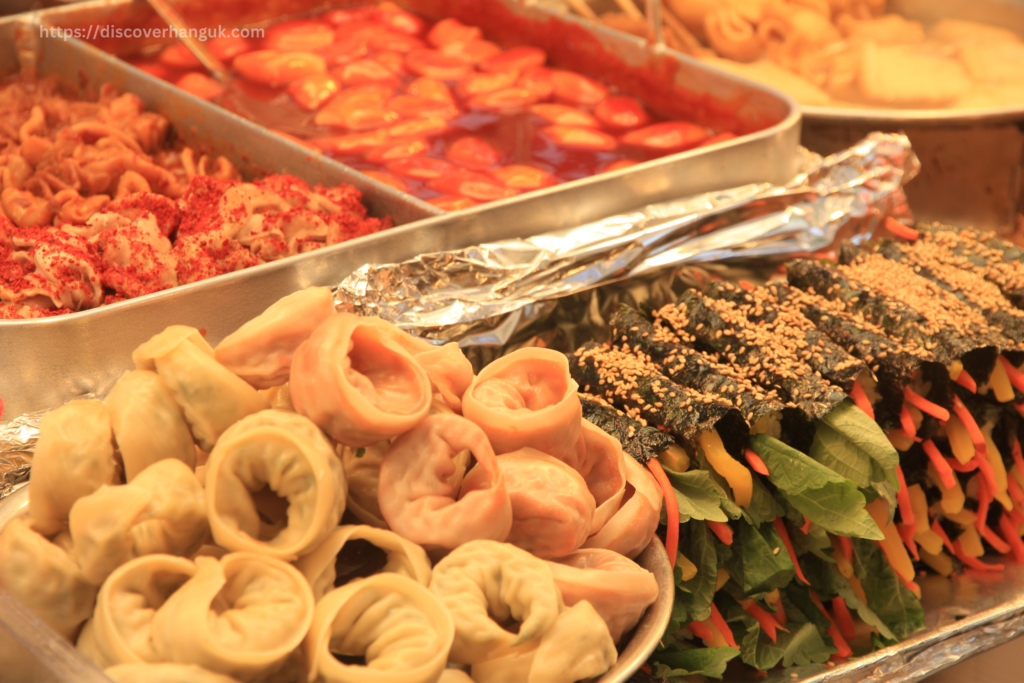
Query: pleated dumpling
[485, 584]
[261, 350]
[357, 383]
[400, 627]
[162, 510]
[632, 526]
[403, 557]
[44, 578]
[527, 399]
[120, 631]
[148, 425]
[74, 456]
[274, 486]
[240, 616]
[211, 396]
[164, 673]
[603, 467]
[362, 473]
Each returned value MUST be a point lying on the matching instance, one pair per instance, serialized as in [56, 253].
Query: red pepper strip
[671, 510]
[957, 466]
[1, 407]
[806, 527]
[1018, 458]
[907, 534]
[907, 422]
[900, 230]
[1000, 546]
[967, 382]
[780, 526]
[924, 405]
[911, 586]
[1009, 530]
[722, 530]
[755, 462]
[973, 562]
[723, 628]
[937, 528]
[986, 468]
[941, 466]
[701, 630]
[984, 502]
[646, 668]
[972, 427]
[765, 619]
[1016, 494]
[861, 399]
[846, 545]
[749, 287]
[1019, 407]
[837, 637]
[843, 616]
[1015, 375]
[1017, 517]
[903, 498]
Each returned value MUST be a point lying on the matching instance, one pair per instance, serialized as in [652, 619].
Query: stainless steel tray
[57, 662]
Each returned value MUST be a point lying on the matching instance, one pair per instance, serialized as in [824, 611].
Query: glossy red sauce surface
[440, 111]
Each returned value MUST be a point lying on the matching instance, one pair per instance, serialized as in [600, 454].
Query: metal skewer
[173, 19]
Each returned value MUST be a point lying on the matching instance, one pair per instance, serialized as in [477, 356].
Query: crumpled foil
[486, 294]
[17, 443]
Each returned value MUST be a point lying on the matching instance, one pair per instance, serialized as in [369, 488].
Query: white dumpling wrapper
[633, 525]
[603, 467]
[211, 397]
[616, 586]
[261, 350]
[404, 558]
[483, 583]
[402, 629]
[164, 673]
[576, 647]
[162, 511]
[44, 578]
[74, 456]
[289, 455]
[121, 626]
[241, 616]
[416, 494]
[148, 425]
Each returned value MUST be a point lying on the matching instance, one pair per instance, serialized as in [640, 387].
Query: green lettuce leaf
[829, 583]
[838, 508]
[760, 562]
[833, 450]
[693, 597]
[862, 433]
[698, 496]
[887, 597]
[789, 469]
[804, 646]
[763, 507]
[706, 661]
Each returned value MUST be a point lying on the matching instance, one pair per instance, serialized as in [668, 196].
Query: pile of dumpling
[187, 526]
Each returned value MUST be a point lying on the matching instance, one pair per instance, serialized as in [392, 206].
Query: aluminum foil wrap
[485, 295]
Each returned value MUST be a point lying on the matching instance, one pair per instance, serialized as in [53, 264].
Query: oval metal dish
[645, 638]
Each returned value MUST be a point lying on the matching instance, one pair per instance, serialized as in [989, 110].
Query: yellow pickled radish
[858, 589]
[738, 476]
[923, 535]
[940, 561]
[674, 458]
[689, 568]
[959, 440]
[964, 518]
[952, 498]
[916, 415]
[723, 578]
[892, 544]
[955, 368]
[900, 441]
[842, 564]
[970, 542]
[999, 382]
[998, 468]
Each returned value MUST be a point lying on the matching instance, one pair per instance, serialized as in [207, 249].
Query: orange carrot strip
[765, 619]
[924, 405]
[984, 502]
[837, 637]
[722, 530]
[861, 399]
[972, 427]
[805, 529]
[937, 528]
[780, 526]
[646, 668]
[967, 382]
[941, 466]
[747, 286]
[907, 534]
[1015, 375]
[997, 543]
[1016, 494]
[847, 547]
[671, 510]
[907, 422]
[1018, 459]
[1009, 531]
[755, 462]
[958, 466]
[1018, 406]
[973, 562]
[1, 407]
[903, 498]
[701, 630]
[900, 230]
[1017, 517]
[843, 616]
[981, 457]
[723, 628]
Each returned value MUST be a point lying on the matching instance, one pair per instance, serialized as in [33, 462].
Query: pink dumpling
[551, 506]
[602, 466]
[528, 400]
[633, 525]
